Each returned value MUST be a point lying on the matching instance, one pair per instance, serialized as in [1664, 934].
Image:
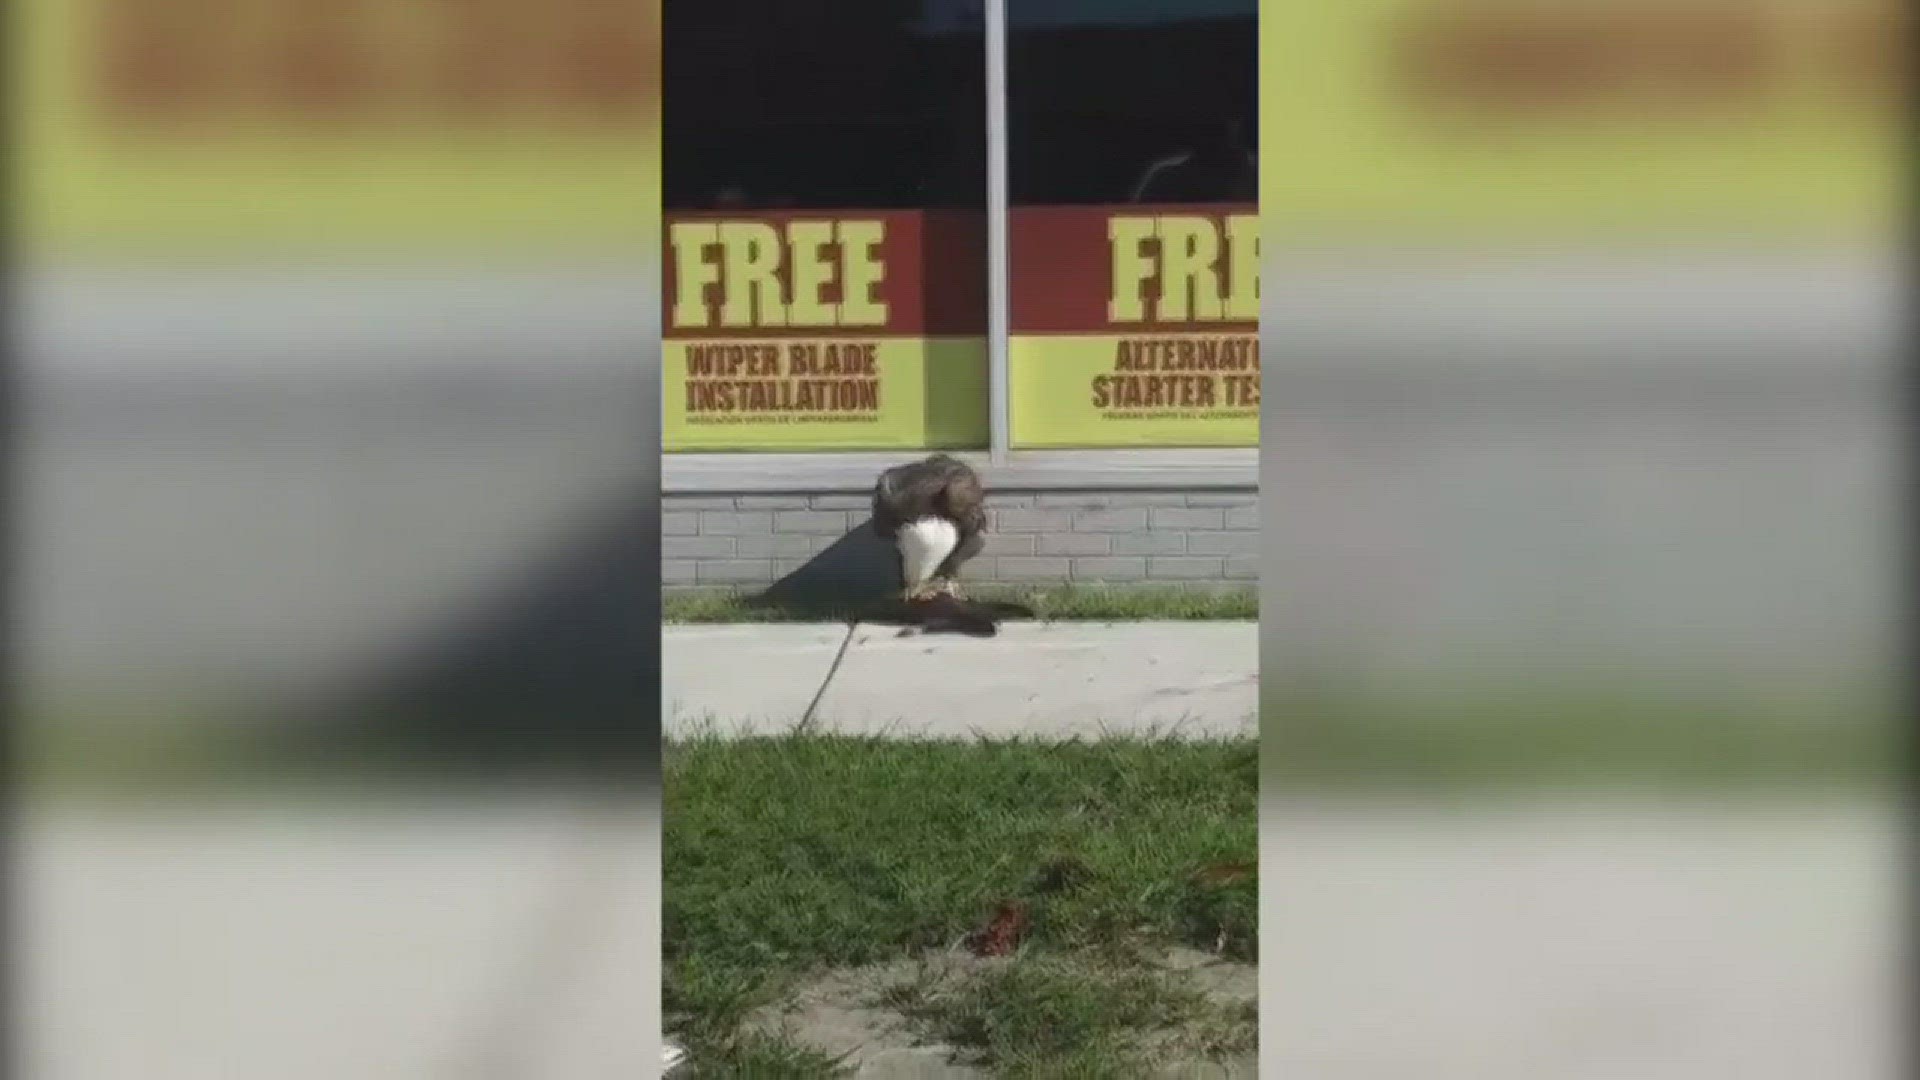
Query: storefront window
[1134, 235]
[826, 257]
[825, 188]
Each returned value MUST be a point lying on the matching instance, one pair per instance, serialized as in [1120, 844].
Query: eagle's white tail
[924, 545]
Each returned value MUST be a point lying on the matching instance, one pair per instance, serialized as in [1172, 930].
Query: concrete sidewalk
[1049, 679]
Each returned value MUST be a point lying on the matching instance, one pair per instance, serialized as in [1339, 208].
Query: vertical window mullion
[997, 200]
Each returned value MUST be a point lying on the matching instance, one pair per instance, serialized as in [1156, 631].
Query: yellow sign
[894, 394]
[1084, 392]
[1179, 252]
[1134, 326]
[838, 331]
[754, 257]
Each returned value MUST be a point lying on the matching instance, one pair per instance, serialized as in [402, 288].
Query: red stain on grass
[1004, 932]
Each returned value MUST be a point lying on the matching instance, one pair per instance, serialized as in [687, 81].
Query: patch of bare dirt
[853, 1014]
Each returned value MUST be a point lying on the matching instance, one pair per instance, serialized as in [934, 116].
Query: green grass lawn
[792, 856]
[1083, 603]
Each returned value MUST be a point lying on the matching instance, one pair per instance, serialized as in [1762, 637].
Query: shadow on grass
[857, 571]
[856, 579]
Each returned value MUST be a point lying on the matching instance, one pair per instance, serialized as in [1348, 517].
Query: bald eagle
[934, 512]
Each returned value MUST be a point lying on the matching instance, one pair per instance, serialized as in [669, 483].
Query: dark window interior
[880, 104]
[1092, 107]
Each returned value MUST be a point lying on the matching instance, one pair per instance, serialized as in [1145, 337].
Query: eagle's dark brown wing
[895, 495]
[963, 499]
[941, 486]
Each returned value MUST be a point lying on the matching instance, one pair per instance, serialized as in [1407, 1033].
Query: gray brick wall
[1105, 537]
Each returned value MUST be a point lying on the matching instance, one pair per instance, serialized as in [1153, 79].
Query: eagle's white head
[924, 544]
